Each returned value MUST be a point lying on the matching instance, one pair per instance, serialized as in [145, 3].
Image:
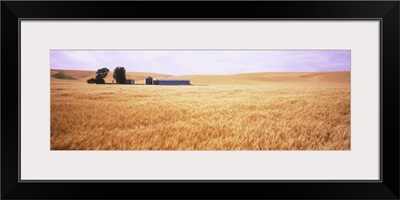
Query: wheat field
[257, 111]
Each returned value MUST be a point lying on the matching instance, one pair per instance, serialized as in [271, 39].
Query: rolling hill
[342, 77]
[83, 76]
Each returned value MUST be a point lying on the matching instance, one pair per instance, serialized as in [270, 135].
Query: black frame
[386, 11]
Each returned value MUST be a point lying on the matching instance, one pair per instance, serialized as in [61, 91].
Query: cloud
[203, 62]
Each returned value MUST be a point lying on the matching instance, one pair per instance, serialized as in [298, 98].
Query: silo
[148, 80]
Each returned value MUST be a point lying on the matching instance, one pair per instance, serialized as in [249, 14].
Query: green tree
[91, 81]
[119, 75]
[100, 75]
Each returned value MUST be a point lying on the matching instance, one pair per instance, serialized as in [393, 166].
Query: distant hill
[269, 78]
[60, 75]
[82, 75]
[262, 78]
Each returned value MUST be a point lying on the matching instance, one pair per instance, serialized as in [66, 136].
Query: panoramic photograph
[200, 100]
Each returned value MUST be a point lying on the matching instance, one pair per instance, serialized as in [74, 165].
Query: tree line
[119, 76]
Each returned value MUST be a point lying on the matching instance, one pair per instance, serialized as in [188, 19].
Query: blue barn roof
[172, 82]
[173, 79]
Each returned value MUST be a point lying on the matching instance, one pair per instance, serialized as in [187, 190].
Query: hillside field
[255, 111]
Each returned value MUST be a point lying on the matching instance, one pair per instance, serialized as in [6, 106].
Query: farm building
[130, 81]
[148, 80]
[171, 82]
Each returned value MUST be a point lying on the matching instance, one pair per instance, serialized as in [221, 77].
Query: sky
[189, 62]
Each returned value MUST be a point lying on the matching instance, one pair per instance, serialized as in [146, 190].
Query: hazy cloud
[203, 62]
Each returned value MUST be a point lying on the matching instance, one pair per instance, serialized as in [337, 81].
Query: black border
[387, 11]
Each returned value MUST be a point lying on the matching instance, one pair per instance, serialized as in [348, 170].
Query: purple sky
[183, 62]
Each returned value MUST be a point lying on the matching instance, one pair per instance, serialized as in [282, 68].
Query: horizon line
[213, 74]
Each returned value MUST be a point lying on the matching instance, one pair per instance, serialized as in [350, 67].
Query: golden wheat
[280, 116]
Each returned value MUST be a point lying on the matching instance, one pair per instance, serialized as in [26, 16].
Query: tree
[101, 74]
[100, 81]
[91, 81]
[119, 75]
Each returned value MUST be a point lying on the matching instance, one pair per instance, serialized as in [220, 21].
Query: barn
[130, 81]
[171, 82]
